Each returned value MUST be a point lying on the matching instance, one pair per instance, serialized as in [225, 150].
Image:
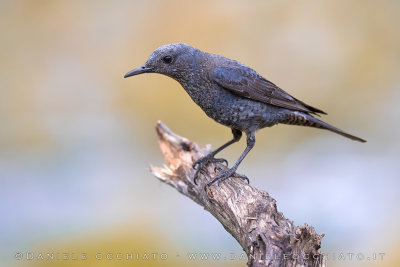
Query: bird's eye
[167, 59]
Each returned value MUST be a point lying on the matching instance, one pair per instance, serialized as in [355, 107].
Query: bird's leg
[251, 140]
[200, 164]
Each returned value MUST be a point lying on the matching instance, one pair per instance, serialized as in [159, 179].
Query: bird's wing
[248, 83]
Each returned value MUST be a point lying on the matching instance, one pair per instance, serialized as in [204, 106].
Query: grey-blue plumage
[232, 94]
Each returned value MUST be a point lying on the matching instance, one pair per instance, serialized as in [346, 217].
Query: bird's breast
[227, 108]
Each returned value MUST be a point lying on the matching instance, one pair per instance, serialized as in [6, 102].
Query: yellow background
[76, 139]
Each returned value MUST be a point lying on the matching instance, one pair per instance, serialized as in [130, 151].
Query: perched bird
[232, 94]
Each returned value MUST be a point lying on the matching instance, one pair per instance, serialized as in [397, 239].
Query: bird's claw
[222, 161]
[200, 165]
[225, 175]
[206, 160]
[242, 177]
[217, 168]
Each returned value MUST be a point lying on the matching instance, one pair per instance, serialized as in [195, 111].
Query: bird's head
[172, 60]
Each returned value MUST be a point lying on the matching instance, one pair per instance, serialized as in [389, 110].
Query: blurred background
[76, 139]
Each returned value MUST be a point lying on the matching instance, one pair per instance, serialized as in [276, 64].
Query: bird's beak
[137, 71]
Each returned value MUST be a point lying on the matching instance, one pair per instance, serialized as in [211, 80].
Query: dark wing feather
[248, 83]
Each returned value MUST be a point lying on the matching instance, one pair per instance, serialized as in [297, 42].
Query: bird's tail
[298, 118]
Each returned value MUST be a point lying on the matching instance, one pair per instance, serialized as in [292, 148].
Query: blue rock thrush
[232, 94]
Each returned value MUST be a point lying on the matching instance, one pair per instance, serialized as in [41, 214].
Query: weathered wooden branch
[247, 213]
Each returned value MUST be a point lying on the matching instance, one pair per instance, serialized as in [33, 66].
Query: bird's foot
[223, 175]
[201, 164]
